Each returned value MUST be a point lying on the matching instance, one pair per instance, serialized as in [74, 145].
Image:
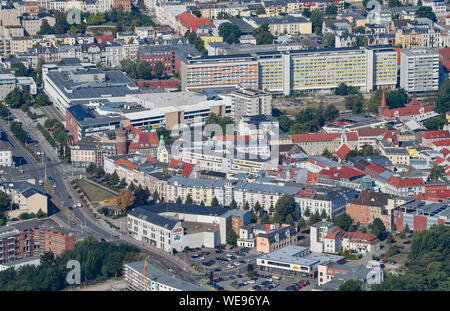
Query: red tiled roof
[342, 151]
[375, 168]
[193, 22]
[445, 52]
[445, 152]
[343, 172]
[125, 163]
[438, 161]
[436, 134]
[444, 194]
[446, 64]
[407, 111]
[335, 233]
[151, 159]
[321, 137]
[371, 131]
[307, 193]
[440, 143]
[366, 238]
[415, 102]
[185, 168]
[410, 182]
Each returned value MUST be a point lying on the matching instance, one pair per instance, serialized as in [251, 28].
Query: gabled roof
[335, 233]
[343, 151]
[368, 131]
[410, 182]
[440, 143]
[360, 237]
[193, 22]
[125, 163]
[343, 172]
[407, 111]
[436, 134]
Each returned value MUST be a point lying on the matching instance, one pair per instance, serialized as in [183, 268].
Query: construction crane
[144, 274]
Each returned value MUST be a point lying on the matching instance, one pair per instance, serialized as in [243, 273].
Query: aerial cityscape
[225, 146]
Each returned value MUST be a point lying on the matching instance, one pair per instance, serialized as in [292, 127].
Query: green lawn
[95, 193]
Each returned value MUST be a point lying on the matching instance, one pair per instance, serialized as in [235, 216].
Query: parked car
[393, 262]
[251, 281]
[383, 260]
[242, 261]
[219, 251]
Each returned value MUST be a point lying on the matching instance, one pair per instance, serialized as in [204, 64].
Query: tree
[351, 286]
[144, 70]
[123, 183]
[354, 103]
[155, 195]
[277, 218]
[263, 35]
[231, 237]
[397, 98]
[307, 212]
[214, 202]
[285, 206]
[323, 215]
[306, 12]
[131, 186]
[45, 29]
[257, 207]
[329, 39]
[343, 221]
[406, 229]
[159, 69]
[435, 123]
[233, 204]
[443, 98]
[362, 41]
[20, 70]
[327, 154]
[331, 10]
[426, 11]
[289, 219]
[125, 200]
[307, 120]
[316, 20]
[99, 172]
[196, 13]
[253, 217]
[260, 11]
[41, 214]
[265, 219]
[90, 169]
[73, 30]
[246, 206]
[229, 32]
[179, 201]
[314, 218]
[189, 199]
[19, 132]
[378, 228]
[330, 113]
[360, 29]
[15, 98]
[375, 101]
[42, 100]
[114, 178]
[394, 3]
[141, 196]
[301, 225]
[285, 123]
[202, 203]
[437, 172]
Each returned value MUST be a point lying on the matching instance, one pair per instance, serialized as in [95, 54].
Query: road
[78, 219]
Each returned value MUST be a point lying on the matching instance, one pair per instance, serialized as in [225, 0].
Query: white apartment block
[419, 70]
[439, 7]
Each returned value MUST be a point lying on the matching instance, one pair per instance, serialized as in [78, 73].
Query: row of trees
[99, 261]
[196, 41]
[22, 98]
[428, 265]
[229, 32]
[263, 35]
[143, 69]
[60, 136]
[308, 120]
[124, 21]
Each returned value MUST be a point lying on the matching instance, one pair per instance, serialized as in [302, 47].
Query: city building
[141, 276]
[248, 102]
[296, 260]
[419, 70]
[268, 242]
[289, 24]
[368, 206]
[6, 158]
[421, 215]
[333, 276]
[29, 198]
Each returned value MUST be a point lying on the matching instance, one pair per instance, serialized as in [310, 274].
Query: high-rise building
[251, 102]
[419, 70]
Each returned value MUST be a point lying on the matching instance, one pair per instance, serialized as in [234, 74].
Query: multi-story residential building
[9, 244]
[292, 25]
[419, 70]
[429, 137]
[248, 102]
[29, 198]
[141, 276]
[439, 7]
[330, 276]
[268, 242]
[219, 72]
[332, 201]
[368, 206]
[402, 186]
[6, 158]
[360, 243]
[317, 232]
[91, 149]
[317, 143]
